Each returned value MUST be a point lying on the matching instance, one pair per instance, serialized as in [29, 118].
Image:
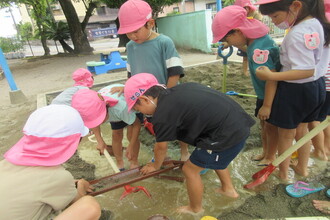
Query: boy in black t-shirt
[199, 116]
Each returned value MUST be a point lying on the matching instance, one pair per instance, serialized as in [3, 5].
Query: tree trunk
[78, 37]
[123, 39]
[66, 47]
[43, 39]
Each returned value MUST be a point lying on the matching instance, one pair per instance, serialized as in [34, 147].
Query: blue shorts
[296, 103]
[325, 110]
[259, 104]
[216, 160]
[121, 124]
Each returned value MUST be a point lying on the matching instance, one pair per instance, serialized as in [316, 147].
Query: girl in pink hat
[301, 87]
[34, 184]
[253, 13]
[149, 51]
[261, 51]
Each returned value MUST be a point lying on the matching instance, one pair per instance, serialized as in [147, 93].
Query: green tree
[77, 29]
[58, 31]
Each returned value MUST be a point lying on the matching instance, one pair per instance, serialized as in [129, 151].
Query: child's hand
[117, 89]
[101, 147]
[129, 153]
[264, 73]
[84, 187]
[148, 168]
[264, 113]
[225, 45]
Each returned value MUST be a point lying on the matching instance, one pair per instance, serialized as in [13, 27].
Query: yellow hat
[209, 218]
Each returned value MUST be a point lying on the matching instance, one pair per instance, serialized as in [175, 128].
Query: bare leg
[263, 142]
[194, 188]
[322, 206]
[184, 151]
[327, 140]
[245, 66]
[86, 208]
[272, 140]
[303, 152]
[318, 142]
[227, 188]
[117, 147]
[285, 139]
[136, 149]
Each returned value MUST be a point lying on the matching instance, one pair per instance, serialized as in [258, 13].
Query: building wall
[195, 34]
[187, 7]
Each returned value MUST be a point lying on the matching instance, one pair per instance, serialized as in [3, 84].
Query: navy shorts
[259, 104]
[325, 110]
[296, 103]
[216, 160]
[241, 53]
[121, 124]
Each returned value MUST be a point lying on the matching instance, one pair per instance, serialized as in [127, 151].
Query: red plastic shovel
[262, 175]
[128, 188]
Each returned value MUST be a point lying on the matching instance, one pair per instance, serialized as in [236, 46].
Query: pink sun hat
[91, 106]
[51, 136]
[234, 17]
[245, 3]
[262, 2]
[327, 9]
[132, 15]
[136, 86]
[83, 77]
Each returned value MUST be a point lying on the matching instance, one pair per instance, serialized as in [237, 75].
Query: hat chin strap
[149, 34]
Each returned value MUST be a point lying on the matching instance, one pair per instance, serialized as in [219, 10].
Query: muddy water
[168, 195]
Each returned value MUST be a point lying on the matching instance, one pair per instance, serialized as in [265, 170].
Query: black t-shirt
[200, 116]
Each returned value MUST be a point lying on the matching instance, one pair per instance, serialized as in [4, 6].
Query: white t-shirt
[303, 49]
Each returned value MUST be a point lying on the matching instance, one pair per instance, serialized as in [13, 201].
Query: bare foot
[185, 157]
[319, 155]
[133, 165]
[264, 162]
[258, 157]
[293, 161]
[322, 206]
[283, 178]
[299, 171]
[189, 210]
[232, 194]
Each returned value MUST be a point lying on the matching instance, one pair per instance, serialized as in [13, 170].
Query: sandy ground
[43, 75]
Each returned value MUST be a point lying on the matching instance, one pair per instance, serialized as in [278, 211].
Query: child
[207, 119]
[149, 51]
[34, 184]
[261, 50]
[120, 118]
[83, 80]
[253, 13]
[301, 89]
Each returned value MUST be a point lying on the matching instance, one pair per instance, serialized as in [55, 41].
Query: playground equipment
[16, 95]
[111, 60]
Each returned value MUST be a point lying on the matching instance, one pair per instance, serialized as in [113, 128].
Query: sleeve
[59, 190]
[299, 56]
[174, 63]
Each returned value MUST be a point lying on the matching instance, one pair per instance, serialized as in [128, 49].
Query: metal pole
[7, 72]
[219, 5]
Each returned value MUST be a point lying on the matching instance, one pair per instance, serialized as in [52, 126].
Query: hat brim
[251, 28]
[125, 30]
[97, 120]
[262, 2]
[43, 151]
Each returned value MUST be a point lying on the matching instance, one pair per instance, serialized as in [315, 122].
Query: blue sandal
[300, 189]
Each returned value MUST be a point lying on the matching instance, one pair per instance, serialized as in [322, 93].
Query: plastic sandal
[300, 189]
[328, 193]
